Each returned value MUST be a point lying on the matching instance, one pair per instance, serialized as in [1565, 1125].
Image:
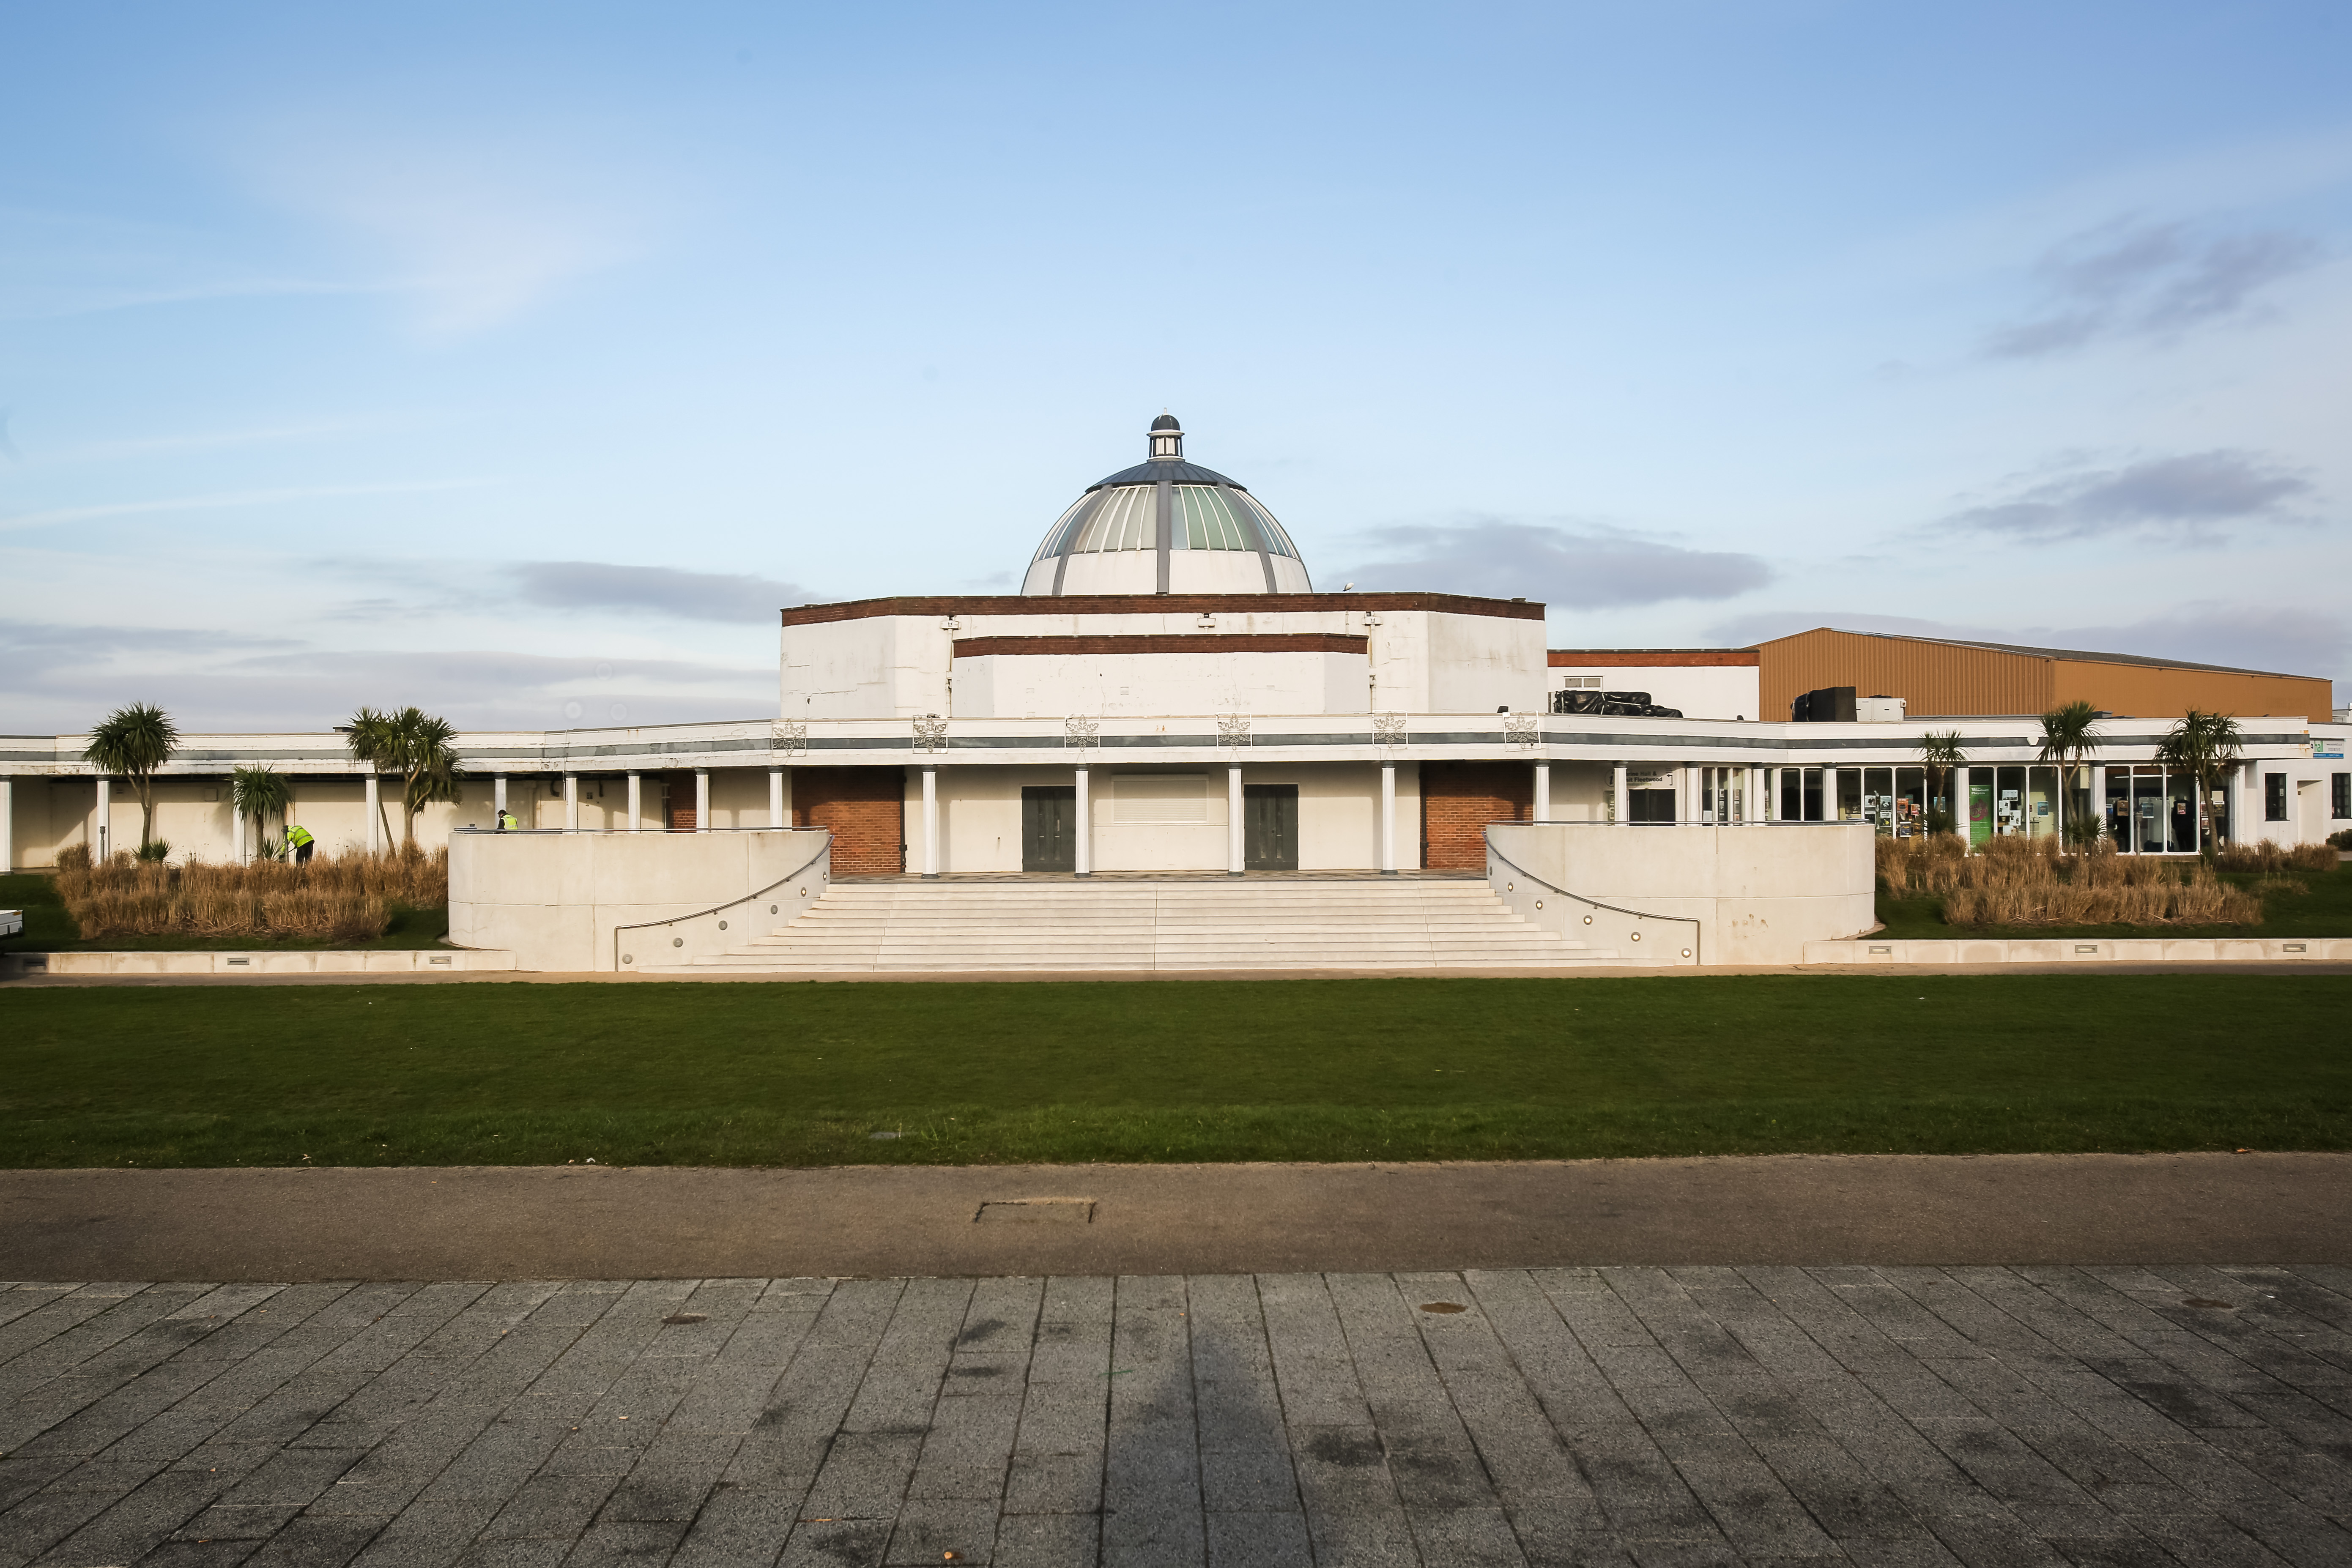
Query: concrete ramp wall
[583, 902]
[1729, 895]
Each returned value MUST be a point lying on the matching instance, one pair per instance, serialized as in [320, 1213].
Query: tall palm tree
[2204, 746]
[416, 745]
[134, 741]
[2070, 736]
[256, 793]
[1942, 753]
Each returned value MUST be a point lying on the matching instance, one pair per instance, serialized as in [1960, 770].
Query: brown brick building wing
[1459, 799]
[1949, 676]
[865, 808]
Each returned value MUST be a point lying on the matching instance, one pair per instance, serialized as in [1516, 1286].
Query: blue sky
[520, 362]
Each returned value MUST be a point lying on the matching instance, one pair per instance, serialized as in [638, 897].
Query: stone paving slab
[1637, 1416]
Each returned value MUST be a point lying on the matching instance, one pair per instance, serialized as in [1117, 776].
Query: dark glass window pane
[2274, 797]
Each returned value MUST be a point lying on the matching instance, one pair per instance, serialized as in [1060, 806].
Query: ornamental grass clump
[2271, 859]
[349, 898]
[2016, 881]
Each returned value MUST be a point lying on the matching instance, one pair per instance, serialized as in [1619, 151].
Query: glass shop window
[1878, 800]
[1910, 801]
[1813, 795]
[2180, 813]
[2274, 797]
[2009, 804]
[2115, 810]
[2042, 802]
[1980, 806]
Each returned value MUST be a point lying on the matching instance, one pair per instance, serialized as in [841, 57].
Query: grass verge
[803, 1074]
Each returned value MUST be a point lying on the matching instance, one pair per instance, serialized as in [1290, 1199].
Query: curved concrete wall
[1758, 894]
[556, 899]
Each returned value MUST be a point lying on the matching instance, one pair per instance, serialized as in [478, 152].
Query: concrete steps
[930, 927]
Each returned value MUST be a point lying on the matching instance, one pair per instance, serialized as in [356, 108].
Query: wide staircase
[1154, 924]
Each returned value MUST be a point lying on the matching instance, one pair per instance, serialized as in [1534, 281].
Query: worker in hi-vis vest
[299, 842]
[507, 821]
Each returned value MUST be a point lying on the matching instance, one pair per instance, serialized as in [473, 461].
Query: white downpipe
[1387, 818]
[702, 800]
[571, 802]
[1085, 858]
[235, 830]
[636, 797]
[931, 822]
[1233, 820]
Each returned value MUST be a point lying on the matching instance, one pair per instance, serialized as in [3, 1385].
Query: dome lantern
[1167, 526]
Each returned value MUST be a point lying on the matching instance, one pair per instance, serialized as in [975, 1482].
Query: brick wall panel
[1459, 799]
[865, 808]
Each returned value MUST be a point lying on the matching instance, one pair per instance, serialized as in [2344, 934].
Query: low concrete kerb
[1882, 950]
[260, 961]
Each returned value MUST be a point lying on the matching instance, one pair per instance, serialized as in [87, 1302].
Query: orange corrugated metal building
[1938, 677]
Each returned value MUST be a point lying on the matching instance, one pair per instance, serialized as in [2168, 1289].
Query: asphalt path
[667, 1222]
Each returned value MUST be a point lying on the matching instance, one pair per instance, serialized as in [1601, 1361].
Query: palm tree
[415, 745]
[2070, 734]
[256, 793]
[1942, 753]
[134, 741]
[2204, 746]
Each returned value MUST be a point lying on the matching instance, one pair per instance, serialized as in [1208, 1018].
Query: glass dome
[1167, 526]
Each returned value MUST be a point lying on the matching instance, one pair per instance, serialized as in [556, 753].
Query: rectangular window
[2339, 795]
[2274, 797]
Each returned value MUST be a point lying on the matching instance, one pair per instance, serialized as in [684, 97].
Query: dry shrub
[2025, 882]
[344, 900]
[2268, 856]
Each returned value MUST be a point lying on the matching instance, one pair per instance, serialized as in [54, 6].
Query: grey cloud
[689, 596]
[2191, 496]
[2132, 278]
[1585, 568]
[56, 679]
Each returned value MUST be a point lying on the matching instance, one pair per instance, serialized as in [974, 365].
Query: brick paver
[1975, 1416]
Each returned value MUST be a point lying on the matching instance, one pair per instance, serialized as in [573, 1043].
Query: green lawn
[800, 1074]
[50, 928]
[2324, 909]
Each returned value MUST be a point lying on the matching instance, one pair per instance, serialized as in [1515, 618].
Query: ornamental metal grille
[792, 738]
[1234, 730]
[1388, 729]
[1518, 732]
[1079, 733]
[930, 734]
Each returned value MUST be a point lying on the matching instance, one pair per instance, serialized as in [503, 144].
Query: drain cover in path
[1036, 1211]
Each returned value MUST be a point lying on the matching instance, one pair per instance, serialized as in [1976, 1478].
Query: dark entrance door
[1049, 828]
[1270, 827]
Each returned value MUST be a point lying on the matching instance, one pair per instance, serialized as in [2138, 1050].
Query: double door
[1270, 827]
[1049, 828]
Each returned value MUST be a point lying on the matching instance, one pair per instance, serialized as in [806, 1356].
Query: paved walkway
[685, 1222]
[1638, 1416]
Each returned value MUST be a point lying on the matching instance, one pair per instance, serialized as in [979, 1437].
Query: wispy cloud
[2131, 278]
[659, 590]
[2192, 498]
[228, 499]
[1583, 568]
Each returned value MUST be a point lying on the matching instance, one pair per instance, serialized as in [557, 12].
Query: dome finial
[1167, 437]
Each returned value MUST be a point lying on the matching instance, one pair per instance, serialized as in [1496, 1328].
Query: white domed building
[1167, 526]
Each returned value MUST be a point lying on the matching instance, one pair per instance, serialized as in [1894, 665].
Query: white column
[1961, 806]
[375, 798]
[1624, 807]
[1751, 799]
[1233, 820]
[1687, 794]
[702, 800]
[930, 821]
[1085, 859]
[9, 823]
[1388, 819]
[235, 832]
[776, 798]
[636, 798]
[2097, 809]
[104, 820]
[498, 794]
[1543, 792]
[571, 802]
